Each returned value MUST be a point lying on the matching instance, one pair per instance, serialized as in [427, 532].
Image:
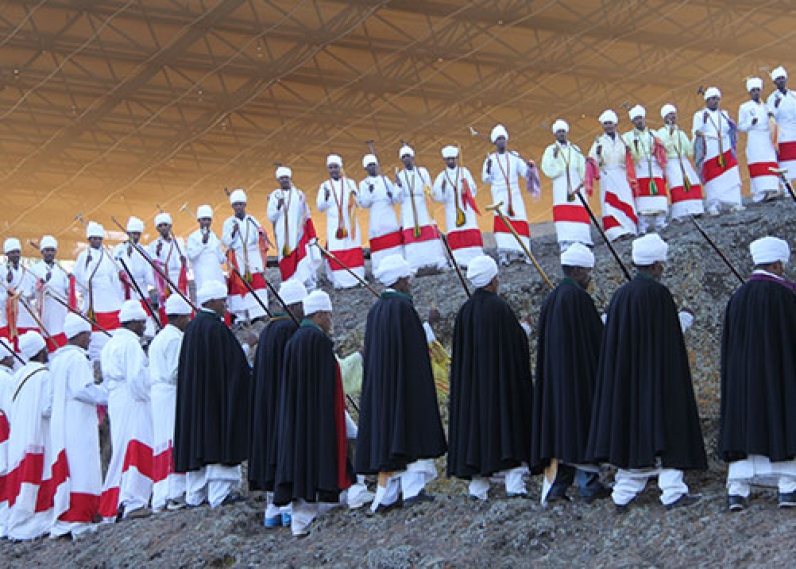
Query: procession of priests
[199, 364]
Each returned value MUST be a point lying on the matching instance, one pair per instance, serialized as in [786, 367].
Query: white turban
[754, 83]
[404, 150]
[12, 244]
[392, 269]
[334, 159]
[649, 249]
[560, 124]
[135, 225]
[779, 72]
[481, 270]
[608, 116]
[30, 344]
[292, 291]
[48, 242]
[637, 111]
[369, 159]
[577, 255]
[666, 109]
[497, 132]
[317, 301]
[712, 92]
[74, 325]
[162, 218]
[204, 211]
[769, 250]
[176, 306]
[283, 171]
[450, 152]
[237, 196]
[94, 229]
[131, 311]
[211, 290]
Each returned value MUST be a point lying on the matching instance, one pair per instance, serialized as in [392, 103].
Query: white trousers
[479, 486]
[759, 470]
[629, 483]
[212, 483]
[410, 483]
[272, 510]
[305, 512]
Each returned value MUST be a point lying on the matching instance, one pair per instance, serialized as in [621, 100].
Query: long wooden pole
[330, 255]
[602, 233]
[444, 239]
[716, 248]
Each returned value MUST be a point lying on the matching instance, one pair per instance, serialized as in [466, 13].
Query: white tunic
[7, 385]
[785, 115]
[142, 272]
[567, 170]
[760, 152]
[22, 280]
[55, 281]
[722, 185]
[464, 239]
[678, 168]
[172, 253]
[206, 258]
[642, 147]
[98, 280]
[422, 247]
[503, 180]
[289, 230]
[378, 194]
[616, 195]
[246, 245]
[343, 236]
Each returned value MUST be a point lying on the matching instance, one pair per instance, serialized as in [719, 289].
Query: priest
[400, 431]
[312, 467]
[570, 336]
[644, 418]
[491, 391]
[211, 432]
[758, 380]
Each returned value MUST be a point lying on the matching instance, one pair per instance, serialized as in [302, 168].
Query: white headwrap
[237, 196]
[30, 344]
[74, 325]
[334, 159]
[368, 159]
[712, 92]
[649, 249]
[637, 111]
[94, 229]
[450, 152]
[135, 225]
[392, 269]
[497, 132]
[666, 109]
[577, 255]
[12, 244]
[404, 150]
[560, 124]
[162, 218]
[131, 311]
[754, 83]
[283, 171]
[608, 116]
[204, 211]
[481, 271]
[317, 301]
[176, 306]
[779, 72]
[211, 290]
[769, 250]
[48, 242]
[292, 291]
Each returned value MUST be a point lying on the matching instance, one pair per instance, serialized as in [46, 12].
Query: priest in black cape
[644, 419]
[568, 351]
[400, 430]
[758, 380]
[312, 468]
[491, 389]
[268, 367]
[211, 432]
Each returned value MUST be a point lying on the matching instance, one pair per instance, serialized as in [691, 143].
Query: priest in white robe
[761, 156]
[782, 106]
[649, 160]
[204, 250]
[685, 187]
[378, 194]
[7, 385]
[141, 271]
[52, 280]
[20, 282]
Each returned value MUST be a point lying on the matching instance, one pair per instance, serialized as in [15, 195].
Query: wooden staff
[12, 352]
[496, 209]
[75, 311]
[251, 290]
[140, 294]
[331, 256]
[444, 239]
[716, 248]
[781, 173]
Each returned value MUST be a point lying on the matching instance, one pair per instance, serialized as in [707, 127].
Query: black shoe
[233, 498]
[420, 498]
[622, 508]
[786, 500]
[684, 501]
[557, 499]
[383, 509]
[736, 503]
[600, 494]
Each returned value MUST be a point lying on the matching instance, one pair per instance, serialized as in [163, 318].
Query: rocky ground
[456, 532]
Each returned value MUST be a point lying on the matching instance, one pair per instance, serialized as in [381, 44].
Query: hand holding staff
[331, 256]
[141, 295]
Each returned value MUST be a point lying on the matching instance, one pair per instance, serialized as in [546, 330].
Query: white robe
[465, 240]
[291, 242]
[760, 152]
[722, 186]
[206, 258]
[503, 180]
[246, 245]
[142, 272]
[342, 195]
[567, 170]
[171, 254]
[52, 313]
[164, 356]
[616, 195]
[97, 278]
[378, 194]
[75, 439]
[642, 148]
[23, 280]
[128, 481]
[678, 168]
[425, 250]
[29, 451]
[785, 115]
[7, 386]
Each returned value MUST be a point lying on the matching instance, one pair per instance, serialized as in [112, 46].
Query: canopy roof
[112, 108]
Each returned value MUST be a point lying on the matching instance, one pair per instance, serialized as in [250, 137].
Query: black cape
[399, 419]
[311, 431]
[265, 402]
[758, 373]
[644, 403]
[570, 335]
[213, 397]
[491, 390]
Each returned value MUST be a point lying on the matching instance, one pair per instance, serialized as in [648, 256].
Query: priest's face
[781, 83]
[371, 169]
[204, 223]
[713, 103]
[136, 326]
[670, 119]
[609, 128]
[240, 209]
[754, 94]
[408, 160]
[48, 254]
[334, 171]
[403, 285]
[640, 122]
[13, 257]
[500, 143]
[323, 319]
[285, 183]
[164, 229]
[582, 276]
[451, 162]
[95, 242]
[135, 236]
[561, 136]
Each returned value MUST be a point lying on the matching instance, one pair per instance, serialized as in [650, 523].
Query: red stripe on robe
[351, 258]
[521, 227]
[572, 213]
[289, 264]
[427, 233]
[644, 187]
[680, 195]
[465, 238]
[387, 241]
[787, 151]
[108, 320]
[712, 170]
[82, 508]
[236, 287]
[760, 169]
[614, 201]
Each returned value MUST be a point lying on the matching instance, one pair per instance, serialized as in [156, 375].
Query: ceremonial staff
[496, 209]
[334, 258]
[781, 173]
[251, 290]
[140, 294]
[444, 239]
[92, 323]
[13, 353]
[716, 248]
